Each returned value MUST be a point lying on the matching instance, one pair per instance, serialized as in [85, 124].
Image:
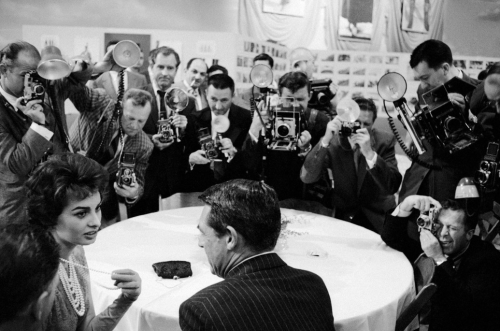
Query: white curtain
[403, 41]
[287, 30]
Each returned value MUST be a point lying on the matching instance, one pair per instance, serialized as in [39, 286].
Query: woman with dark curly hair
[64, 196]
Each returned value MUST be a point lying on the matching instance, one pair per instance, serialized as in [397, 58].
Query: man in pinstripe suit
[240, 225]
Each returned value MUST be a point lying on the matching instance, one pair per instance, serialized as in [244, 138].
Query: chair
[423, 271]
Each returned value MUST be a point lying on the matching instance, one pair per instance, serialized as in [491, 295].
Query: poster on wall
[416, 16]
[289, 7]
[87, 48]
[142, 40]
[356, 20]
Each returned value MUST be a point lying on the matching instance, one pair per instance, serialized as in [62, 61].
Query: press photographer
[222, 127]
[278, 155]
[116, 141]
[361, 162]
[467, 272]
[437, 171]
[323, 91]
[32, 118]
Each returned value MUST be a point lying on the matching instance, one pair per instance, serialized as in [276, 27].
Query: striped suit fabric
[262, 293]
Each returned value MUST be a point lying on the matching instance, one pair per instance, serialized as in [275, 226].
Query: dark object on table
[171, 269]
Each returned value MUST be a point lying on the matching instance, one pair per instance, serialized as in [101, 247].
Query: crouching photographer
[467, 270]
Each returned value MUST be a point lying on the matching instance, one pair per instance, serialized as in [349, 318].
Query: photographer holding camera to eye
[32, 119]
[467, 272]
[363, 167]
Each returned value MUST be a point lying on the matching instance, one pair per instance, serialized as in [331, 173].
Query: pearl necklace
[72, 287]
[74, 264]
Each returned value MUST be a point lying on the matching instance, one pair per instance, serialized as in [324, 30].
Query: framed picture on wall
[356, 20]
[289, 7]
[416, 16]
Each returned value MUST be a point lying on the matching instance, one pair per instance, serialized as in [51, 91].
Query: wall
[188, 15]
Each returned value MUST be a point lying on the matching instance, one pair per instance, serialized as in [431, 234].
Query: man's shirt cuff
[403, 213]
[41, 130]
[371, 163]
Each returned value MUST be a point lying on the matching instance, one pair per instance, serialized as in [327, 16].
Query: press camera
[428, 220]
[177, 100]
[286, 121]
[488, 173]
[321, 95]
[125, 173]
[166, 130]
[33, 87]
[210, 146]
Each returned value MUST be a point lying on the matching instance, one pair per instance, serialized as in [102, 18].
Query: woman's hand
[129, 281]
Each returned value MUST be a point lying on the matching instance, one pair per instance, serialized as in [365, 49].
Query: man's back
[262, 293]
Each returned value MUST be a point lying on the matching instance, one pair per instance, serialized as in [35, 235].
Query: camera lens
[421, 221]
[322, 98]
[482, 177]
[283, 130]
[38, 89]
[484, 166]
[452, 124]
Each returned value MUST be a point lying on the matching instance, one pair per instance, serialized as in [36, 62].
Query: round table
[369, 283]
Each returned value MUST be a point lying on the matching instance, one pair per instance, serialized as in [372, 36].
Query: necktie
[163, 108]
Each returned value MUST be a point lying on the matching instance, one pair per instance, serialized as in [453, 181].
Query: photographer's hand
[198, 157]
[257, 125]
[33, 110]
[158, 144]
[457, 100]
[107, 63]
[420, 202]
[362, 138]
[430, 246]
[227, 147]
[304, 140]
[130, 192]
[332, 128]
[179, 121]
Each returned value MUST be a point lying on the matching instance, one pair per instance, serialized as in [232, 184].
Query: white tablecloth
[369, 283]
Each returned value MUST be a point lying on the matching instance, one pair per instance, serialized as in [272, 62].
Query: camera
[428, 220]
[125, 173]
[209, 145]
[321, 95]
[349, 128]
[487, 174]
[166, 130]
[33, 87]
[285, 125]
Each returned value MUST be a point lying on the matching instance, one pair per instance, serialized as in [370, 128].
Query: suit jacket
[104, 81]
[201, 91]
[21, 148]
[486, 113]
[262, 293]
[202, 176]
[440, 183]
[165, 175]
[87, 135]
[282, 168]
[467, 296]
[367, 191]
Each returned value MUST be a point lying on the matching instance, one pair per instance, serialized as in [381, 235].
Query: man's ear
[3, 68]
[233, 238]
[446, 67]
[469, 234]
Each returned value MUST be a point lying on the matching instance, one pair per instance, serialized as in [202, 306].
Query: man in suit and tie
[114, 139]
[239, 227]
[169, 160]
[363, 166]
[110, 80]
[29, 132]
[205, 171]
[196, 73]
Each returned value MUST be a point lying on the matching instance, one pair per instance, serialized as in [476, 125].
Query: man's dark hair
[433, 52]
[493, 69]
[139, 97]
[469, 221]
[8, 55]
[216, 67]
[195, 58]
[264, 57]
[111, 43]
[221, 82]
[367, 104]
[29, 258]
[294, 81]
[250, 207]
[166, 51]
[59, 179]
